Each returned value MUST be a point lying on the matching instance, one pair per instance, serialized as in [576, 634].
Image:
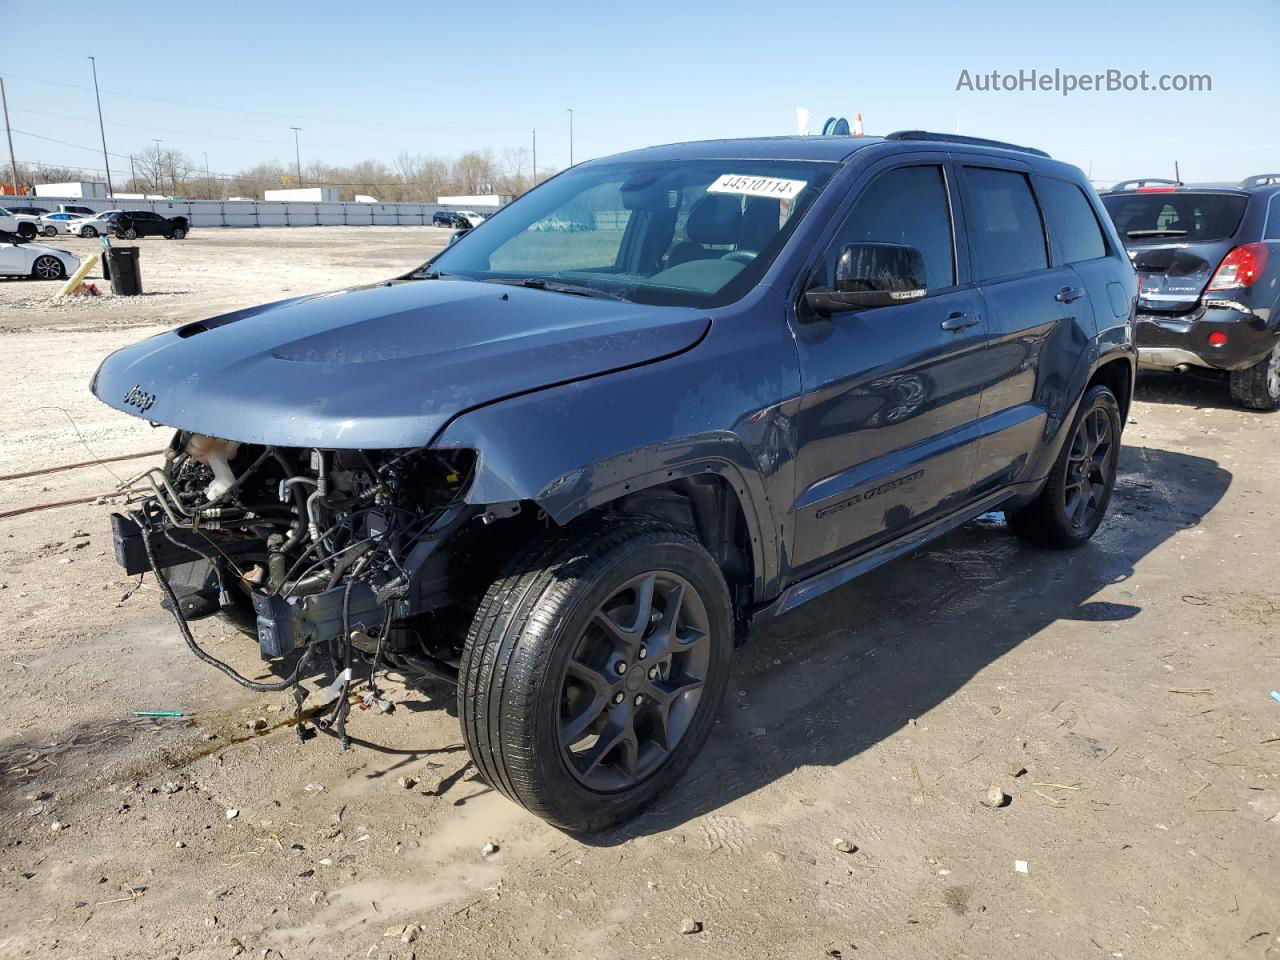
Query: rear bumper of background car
[1170, 341]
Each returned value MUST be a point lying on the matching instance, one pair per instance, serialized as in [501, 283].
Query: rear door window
[1072, 220]
[1185, 216]
[1006, 232]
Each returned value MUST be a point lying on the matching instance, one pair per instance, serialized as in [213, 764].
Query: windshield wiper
[556, 286]
[1156, 233]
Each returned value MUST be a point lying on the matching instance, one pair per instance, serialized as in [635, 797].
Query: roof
[830, 149]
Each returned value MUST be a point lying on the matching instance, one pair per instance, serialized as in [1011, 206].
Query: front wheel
[178, 233]
[27, 230]
[1258, 387]
[48, 268]
[130, 234]
[593, 669]
[1069, 509]
[88, 232]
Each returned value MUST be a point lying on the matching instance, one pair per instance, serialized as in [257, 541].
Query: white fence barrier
[261, 213]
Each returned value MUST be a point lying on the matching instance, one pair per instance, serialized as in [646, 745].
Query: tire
[540, 668]
[178, 233]
[88, 233]
[50, 231]
[1258, 387]
[48, 267]
[1070, 507]
[27, 229]
[130, 234]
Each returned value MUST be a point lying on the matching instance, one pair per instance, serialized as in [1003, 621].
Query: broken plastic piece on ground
[158, 713]
[1275, 695]
[1020, 866]
[333, 689]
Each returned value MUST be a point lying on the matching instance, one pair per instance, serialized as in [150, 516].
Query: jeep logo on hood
[137, 397]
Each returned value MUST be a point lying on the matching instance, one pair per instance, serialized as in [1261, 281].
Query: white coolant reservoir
[214, 453]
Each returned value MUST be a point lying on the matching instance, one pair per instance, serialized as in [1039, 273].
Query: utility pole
[208, 180]
[570, 109]
[535, 156]
[297, 154]
[133, 174]
[9, 133]
[101, 129]
[158, 186]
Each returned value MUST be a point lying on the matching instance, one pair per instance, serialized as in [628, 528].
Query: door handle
[1068, 295]
[958, 321]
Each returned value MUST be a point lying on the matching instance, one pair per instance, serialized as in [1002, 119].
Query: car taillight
[1240, 268]
[1157, 190]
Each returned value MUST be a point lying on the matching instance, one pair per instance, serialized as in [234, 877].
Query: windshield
[685, 232]
[1164, 217]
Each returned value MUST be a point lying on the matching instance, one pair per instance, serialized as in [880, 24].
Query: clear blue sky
[442, 78]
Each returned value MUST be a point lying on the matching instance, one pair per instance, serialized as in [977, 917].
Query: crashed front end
[332, 558]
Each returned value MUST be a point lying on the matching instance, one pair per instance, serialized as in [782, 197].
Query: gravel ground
[1129, 680]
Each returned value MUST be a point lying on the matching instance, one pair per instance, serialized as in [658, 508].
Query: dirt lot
[1129, 679]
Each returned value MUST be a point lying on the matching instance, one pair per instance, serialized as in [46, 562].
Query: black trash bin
[120, 266]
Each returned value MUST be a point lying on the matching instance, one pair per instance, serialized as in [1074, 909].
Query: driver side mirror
[871, 275]
[458, 235]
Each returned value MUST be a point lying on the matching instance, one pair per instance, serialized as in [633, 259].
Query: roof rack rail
[1144, 183]
[956, 138]
[1261, 180]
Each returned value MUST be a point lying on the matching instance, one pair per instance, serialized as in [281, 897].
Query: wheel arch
[1117, 374]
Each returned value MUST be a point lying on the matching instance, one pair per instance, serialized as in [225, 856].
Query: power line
[222, 136]
[362, 122]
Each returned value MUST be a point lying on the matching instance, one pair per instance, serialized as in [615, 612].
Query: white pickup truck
[23, 224]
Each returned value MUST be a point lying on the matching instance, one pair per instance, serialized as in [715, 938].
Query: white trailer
[85, 190]
[304, 194]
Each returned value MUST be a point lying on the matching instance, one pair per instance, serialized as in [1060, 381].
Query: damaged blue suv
[567, 463]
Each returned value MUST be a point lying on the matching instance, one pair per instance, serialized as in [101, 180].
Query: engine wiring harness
[288, 537]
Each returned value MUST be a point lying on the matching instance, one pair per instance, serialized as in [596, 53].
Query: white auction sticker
[758, 186]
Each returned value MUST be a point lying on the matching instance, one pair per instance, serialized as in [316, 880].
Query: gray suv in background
[1208, 262]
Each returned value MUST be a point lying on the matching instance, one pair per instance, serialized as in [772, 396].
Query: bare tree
[162, 171]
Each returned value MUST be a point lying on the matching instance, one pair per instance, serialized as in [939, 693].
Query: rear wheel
[1074, 500]
[48, 267]
[1258, 387]
[593, 669]
[50, 231]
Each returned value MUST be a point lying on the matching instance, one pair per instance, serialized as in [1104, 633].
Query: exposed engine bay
[329, 557]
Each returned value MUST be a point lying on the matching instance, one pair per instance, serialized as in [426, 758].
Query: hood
[382, 366]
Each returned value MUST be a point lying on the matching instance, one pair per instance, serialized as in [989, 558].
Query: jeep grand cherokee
[565, 470]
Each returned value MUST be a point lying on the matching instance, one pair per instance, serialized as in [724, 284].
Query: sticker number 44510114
[751, 186]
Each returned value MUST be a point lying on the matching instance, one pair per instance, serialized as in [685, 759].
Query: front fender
[723, 408]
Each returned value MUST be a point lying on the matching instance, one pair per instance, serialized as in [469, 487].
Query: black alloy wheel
[632, 686]
[593, 668]
[1073, 501]
[1090, 469]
